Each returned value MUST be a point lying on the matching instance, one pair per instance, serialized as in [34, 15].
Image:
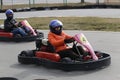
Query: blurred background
[4, 4]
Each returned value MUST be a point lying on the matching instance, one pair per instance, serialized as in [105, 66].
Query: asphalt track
[106, 13]
[103, 41]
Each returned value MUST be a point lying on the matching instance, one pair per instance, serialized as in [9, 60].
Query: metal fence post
[97, 2]
[65, 2]
[1, 4]
[47, 3]
[82, 1]
[12, 4]
[33, 3]
[29, 4]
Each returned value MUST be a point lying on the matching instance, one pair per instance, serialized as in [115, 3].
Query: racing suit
[58, 42]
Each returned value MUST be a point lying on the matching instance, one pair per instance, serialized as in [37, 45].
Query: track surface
[108, 42]
[107, 13]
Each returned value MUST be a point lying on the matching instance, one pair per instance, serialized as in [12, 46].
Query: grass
[77, 23]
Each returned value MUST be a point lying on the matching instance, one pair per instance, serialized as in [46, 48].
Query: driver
[11, 25]
[58, 38]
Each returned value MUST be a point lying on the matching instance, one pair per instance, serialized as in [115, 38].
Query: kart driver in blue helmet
[58, 39]
[11, 25]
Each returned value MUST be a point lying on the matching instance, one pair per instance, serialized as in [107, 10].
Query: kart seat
[44, 43]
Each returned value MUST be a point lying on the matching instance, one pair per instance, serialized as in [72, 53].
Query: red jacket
[58, 40]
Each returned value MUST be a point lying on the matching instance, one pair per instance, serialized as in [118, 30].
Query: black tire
[28, 53]
[8, 78]
[40, 34]
[38, 43]
[26, 57]
[66, 60]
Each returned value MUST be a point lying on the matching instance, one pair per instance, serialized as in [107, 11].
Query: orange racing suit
[58, 40]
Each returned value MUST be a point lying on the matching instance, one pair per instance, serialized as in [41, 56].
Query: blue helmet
[9, 13]
[56, 24]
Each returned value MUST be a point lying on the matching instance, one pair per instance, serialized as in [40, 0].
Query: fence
[32, 3]
[10, 2]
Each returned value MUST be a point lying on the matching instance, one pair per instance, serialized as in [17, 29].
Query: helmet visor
[57, 28]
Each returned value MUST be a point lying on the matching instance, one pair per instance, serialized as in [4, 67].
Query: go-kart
[44, 55]
[8, 36]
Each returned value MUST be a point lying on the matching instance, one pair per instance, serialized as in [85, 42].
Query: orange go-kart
[44, 55]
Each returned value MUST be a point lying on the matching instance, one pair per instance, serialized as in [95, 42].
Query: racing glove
[69, 40]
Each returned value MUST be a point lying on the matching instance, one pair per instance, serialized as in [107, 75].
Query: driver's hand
[16, 24]
[19, 24]
[69, 40]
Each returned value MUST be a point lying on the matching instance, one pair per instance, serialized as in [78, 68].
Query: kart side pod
[6, 34]
[47, 55]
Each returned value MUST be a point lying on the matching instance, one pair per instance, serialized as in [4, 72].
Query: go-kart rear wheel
[28, 53]
[40, 34]
[26, 57]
